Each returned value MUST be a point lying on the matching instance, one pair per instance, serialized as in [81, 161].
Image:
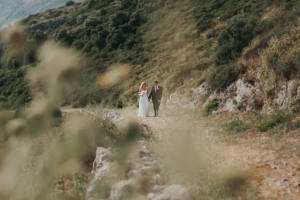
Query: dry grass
[193, 156]
[172, 39]
[204, 157]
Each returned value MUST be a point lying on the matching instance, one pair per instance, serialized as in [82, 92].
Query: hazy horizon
[15, 10]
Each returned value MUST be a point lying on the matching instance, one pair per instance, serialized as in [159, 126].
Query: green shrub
[91, 3]
[211, 106]
[72, 22]
[70, 3]
[64, 37]
[39, 36]
[115, 39]
[223, 75]
[78, 44]
[118, 19]
[236, 36]
[99, 41]
[267, 122]
[3, 98]
[92, 22]
[103, 11]
[237, 126]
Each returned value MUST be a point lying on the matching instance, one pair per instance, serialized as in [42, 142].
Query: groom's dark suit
[156, 95]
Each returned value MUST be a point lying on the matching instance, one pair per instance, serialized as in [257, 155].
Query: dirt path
[274, 174]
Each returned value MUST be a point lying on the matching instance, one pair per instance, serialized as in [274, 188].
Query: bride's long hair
[141, 86]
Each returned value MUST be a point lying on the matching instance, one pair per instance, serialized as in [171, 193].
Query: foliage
[143, 33]
[223, 75]
[236, 36]
[270, 121]
[70, 3]
[236, 126]
[212, 105]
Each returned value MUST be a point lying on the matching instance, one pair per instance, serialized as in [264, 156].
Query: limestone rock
[49, 26]
[122, 190]
[102, 169]
[115, 117]
[172, 192]
[55, 23]
[144, 130]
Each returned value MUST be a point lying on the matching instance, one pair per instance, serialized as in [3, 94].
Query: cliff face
[14, 10]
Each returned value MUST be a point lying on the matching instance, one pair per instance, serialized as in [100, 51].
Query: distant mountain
[14, 10]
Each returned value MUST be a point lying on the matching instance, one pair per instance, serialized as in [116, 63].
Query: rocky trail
[269, 173]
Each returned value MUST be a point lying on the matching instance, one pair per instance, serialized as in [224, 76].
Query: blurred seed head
[233, 180]
[114, 75]
[13, 35]
[38, 116]
[57, 74]
[16, 127]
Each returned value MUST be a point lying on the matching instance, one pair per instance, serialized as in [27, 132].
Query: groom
[156, 95]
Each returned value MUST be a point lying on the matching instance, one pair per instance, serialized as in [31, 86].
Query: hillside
[228, 126]
[14, 10]
[183, 44]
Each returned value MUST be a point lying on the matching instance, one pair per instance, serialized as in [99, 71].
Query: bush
[64, 37]
[223, 75]
[92, 22]
[72, 22]
[70, 3]
[78, 44]
[99, 42]
[237, 35]
[118, 19]
[237, 126]
[3, 98]
[91, 3]
[211, 106]
[271, 121]
[39, 36]
[55, 111]
[115, 39]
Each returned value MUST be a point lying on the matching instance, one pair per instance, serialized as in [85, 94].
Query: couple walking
[155, 95]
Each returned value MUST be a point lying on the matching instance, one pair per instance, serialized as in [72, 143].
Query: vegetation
[211, 41]
[70, 3]
[177, 42]
[210, 106]
[278, 122]
[236, 126]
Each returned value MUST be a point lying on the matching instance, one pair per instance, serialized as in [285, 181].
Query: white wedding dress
[143, 104]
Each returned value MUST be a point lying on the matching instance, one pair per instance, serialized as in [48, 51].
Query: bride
[144, 102]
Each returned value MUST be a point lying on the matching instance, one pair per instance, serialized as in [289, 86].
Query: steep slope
[183, 44]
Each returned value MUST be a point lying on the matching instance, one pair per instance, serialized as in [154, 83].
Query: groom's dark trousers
[156, 95]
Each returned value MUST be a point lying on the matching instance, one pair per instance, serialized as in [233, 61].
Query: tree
[70, 3]
[237, 35]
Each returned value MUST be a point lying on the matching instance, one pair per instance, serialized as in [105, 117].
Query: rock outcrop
[243, 95]
[144, 178]
[103, 171]
[49, 26]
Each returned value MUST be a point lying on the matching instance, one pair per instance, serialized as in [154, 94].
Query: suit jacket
[156, 95]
